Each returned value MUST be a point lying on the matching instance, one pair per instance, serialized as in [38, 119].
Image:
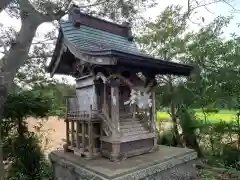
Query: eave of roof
[87, 40]
[55, 53]
[130, 58]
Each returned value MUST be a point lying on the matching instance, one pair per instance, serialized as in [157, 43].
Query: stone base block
[166, 163]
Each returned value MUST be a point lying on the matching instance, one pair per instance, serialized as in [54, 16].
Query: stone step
[127, 138]
[132, 133]
[127, 115]
[127, 126]
[139, 129]
[128, 119]
[133, 124]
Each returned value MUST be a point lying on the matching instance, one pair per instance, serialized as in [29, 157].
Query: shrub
[21, 146]
[211, 110]
[231, 156]
[166, 138]
[29, 161]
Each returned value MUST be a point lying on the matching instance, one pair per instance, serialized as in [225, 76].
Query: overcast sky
[213, 11]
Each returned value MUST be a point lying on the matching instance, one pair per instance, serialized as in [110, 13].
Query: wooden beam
[58, 60]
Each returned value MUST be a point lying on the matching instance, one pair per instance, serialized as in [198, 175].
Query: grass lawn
[222, 115]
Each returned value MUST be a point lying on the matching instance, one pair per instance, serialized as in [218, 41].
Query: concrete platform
[165, 163]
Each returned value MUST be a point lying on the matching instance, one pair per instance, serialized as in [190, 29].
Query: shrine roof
[88, 35]
[94, 40]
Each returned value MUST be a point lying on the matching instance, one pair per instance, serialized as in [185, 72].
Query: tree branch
[3, 46]
[229, 5]
[4, 3]
[200, 5]
[94, 4]
[45, 41]
[39, 56]
[27, 10]
[51, 16]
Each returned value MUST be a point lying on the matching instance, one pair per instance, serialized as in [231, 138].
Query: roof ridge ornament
[129, 30]
[74, 13]
[78, 18]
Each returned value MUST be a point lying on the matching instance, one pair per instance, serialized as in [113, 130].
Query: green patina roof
[96, 42]
[90, 39]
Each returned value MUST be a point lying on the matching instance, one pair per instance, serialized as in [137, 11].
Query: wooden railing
[77, 115]
[144, 118]
[107, 126]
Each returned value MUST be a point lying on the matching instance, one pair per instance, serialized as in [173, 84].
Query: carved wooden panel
[85, 98]
[85, 90]
[72, 104]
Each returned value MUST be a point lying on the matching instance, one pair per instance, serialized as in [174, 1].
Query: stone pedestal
[166, 163]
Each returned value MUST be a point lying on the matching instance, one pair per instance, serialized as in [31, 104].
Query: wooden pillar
[134, 110]
[115, 108]
[153, 118]
[67, 132]
[104, 97]
[77, 135]
[90, 138]
[115, 121]
[72, 133]
[114, 156]
[90, 132]
[83, 136]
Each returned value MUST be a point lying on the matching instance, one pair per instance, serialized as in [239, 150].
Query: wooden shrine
[109, 69]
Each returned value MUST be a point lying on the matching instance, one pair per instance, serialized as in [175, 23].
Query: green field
[222, 115]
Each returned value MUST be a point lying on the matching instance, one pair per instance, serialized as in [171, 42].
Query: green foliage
[57, 93]
[231, 156]
[29, 161]
[23, 148]
[219, 141]
[165, 34]
[25, 104]
[213, 85]
[211, 117]
[213, 110]
[166, 138]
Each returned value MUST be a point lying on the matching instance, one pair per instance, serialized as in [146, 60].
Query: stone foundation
[167, 163]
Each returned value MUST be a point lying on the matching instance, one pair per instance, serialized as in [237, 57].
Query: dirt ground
[52, 132]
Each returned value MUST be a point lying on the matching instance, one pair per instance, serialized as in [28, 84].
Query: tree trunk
[18, 52]
[238, 132]
[191, 142]
[3, 92]
[205, 115]
[173, 112]
[175, 127]
[12, 61]
[189, 135]
[20, 47]
[3, 4]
